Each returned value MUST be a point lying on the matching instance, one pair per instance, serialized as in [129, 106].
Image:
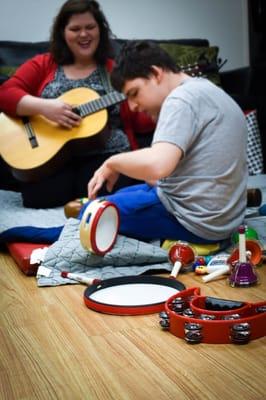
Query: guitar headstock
[191, 69]
[200, 68]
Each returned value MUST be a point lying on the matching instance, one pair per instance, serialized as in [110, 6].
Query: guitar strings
[100, 103]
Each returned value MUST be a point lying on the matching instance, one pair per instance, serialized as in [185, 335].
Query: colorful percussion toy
[243, 272]
[99, 227]
[182, 256]
[201, 319]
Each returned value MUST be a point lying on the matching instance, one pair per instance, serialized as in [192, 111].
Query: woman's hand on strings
[61, 113]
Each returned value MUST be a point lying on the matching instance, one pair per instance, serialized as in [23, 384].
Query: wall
[223, 22]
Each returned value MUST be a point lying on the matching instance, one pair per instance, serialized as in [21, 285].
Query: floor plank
[53, 347]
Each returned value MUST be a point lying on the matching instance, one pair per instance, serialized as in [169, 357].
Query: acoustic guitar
[35, 147]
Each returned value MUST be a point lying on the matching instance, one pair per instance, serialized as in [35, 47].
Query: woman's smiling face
[82, 35]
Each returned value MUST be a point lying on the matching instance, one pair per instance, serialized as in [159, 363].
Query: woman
[80, 48]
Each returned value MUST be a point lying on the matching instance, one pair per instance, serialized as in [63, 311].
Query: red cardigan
[36, 73]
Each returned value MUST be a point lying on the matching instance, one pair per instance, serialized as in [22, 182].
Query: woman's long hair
[58, 46]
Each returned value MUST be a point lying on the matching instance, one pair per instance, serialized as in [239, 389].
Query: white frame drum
[131, 295]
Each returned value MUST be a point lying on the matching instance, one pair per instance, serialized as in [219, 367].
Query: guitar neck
[99, 104]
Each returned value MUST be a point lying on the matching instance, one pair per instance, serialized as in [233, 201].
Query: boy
[195, 169]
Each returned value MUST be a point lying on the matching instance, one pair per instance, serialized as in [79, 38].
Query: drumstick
[80, 278]
[207, 269]
[215, 274]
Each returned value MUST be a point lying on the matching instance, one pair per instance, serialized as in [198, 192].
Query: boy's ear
[157, 72]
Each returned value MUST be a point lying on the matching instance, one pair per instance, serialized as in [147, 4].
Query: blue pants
[143, 216]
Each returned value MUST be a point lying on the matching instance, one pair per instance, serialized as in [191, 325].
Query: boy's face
[144, 94]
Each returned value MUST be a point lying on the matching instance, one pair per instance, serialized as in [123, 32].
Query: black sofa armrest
[236, 81]
[13, 54]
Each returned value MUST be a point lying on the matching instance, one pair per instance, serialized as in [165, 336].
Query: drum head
[131, 295]
[99, 227]
[104, 230]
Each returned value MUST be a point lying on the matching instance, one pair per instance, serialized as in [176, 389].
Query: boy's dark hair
[136, 60]
[58, 46]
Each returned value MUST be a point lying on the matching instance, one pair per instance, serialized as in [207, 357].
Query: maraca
[181, 255]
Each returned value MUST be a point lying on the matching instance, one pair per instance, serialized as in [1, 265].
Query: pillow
[7, 70]
[21, 254]
[6, 73]
[20, 224]
[206, 58]
[254, 147]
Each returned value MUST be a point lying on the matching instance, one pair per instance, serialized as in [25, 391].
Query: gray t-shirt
[207, 190]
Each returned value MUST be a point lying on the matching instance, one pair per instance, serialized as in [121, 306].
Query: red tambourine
[201, 319]
[131, 295]
[99, 234]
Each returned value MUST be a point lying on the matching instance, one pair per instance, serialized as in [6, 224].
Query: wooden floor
[53, 347]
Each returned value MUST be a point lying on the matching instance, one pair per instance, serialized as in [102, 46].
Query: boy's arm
[148, 164]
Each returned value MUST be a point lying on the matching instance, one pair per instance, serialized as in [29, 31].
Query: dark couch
[244, 85]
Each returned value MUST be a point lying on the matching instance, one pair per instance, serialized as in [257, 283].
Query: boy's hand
[103, 175]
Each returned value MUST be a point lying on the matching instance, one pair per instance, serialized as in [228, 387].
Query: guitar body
[55, 144]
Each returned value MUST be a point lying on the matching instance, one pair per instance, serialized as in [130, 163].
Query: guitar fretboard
[100, 103]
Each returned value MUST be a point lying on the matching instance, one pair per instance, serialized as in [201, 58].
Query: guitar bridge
[31, 135]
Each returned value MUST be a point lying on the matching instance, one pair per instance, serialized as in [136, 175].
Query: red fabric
[36, 73]
[246, 112]
[142, 123]
[30, 78]
[21, 252]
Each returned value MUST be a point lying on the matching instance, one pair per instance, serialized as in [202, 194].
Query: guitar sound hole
[76, 110]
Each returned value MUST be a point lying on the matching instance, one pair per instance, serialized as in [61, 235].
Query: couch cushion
[119, 43]
[254, 147]
[13, 53]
